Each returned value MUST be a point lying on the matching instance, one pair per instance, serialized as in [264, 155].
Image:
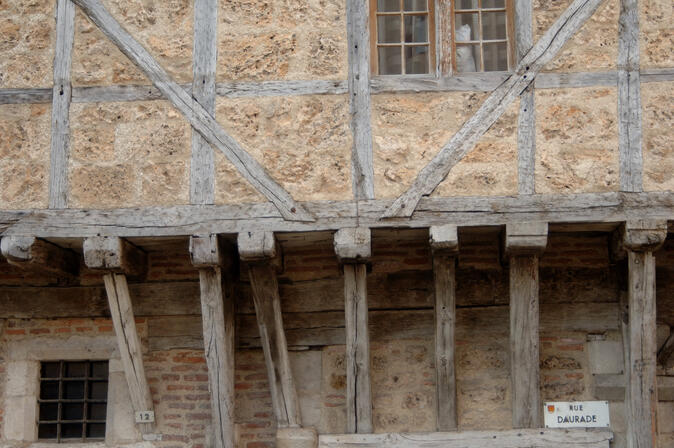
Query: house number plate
[145, 417]
[576, 414]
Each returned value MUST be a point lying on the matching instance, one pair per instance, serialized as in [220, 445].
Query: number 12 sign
[145, 417]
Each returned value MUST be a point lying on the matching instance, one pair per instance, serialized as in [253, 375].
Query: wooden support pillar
[33, 254]
[640, 240]
[117, 258]
[523, 244]
[445, 246]
[261, 253]
[217, 312]
[353, 249]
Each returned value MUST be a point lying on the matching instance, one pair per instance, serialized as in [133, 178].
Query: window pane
[99, 369]
[388, 5]
[388, 29]
[493, 3]
[98, 390]
[467, 58]
[49, 390]
[46, 431]
[416, 59]
[415, 5]
[72, 411]
[49, 411]
[416, 28]
[495, 57]
[76, 370]
[466, 27]
[493, 25]
[97, 411]
[71, 430]
[389, 61]
[50, 369]
[95, 430]
[73, 390]
[466, 4]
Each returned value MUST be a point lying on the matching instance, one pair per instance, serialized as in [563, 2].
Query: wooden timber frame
[255, 224]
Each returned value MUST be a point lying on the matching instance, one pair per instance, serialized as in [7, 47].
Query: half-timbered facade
[335, 223]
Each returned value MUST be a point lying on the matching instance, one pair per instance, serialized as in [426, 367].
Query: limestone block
[593, 48]
[296, 438]
[21, 393]
[576, 140]
[27, 28]
[658, 134]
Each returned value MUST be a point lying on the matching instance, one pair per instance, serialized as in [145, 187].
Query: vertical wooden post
[524, 243]
[526, 130]
[217, 311]
[260, 251]
[641, 239]
[445, 245]
[353, 248]
[117, 258]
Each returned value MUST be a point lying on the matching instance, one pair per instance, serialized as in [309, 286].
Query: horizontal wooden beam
[539, 438]
[474, 82]
[114, 254]
[31, 253]
[185, 220]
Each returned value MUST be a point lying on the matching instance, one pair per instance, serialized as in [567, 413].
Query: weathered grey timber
[586, 208]
[34, 254]
[256, 246]
[217, 312]
[130, 350]
[524, 243]
[493, 107]
[358, 38]
[526, 128]
[444, 243]
[353, 244]
[114, 254]
[200, 119]
[358, 387]
[474, 82]
[641, 238]
[629, 98]
[533, 438]
[665, 353]
[202, 166]
[60, 113]
[272, 335]
[443, 39]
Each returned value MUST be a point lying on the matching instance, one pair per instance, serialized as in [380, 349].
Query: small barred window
[73, 400]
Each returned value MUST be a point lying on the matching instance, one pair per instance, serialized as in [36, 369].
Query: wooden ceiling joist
[34, 254]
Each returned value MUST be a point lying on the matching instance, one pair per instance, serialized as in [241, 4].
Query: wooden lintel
[205, 251]
[201, 120]
[445, 246]
[539, 438]
[114, 254]
[526, 238]
[31, 253]
[270, 322]
[493, 107]
[130, 348]
[353, 245]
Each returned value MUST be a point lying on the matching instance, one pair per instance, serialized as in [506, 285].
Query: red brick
[40, 331]
[15, 332]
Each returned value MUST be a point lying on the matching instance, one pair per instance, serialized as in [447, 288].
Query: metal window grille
[73, 400]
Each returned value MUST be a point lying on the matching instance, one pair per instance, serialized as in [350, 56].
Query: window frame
[442, 45]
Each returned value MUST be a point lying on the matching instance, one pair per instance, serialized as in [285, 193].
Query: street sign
[576, 414]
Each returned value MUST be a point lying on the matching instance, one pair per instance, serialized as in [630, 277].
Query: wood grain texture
[629, 98]
[641, 397]
[526, 128]
[217, 311]
[534, 438]
[444, 276]
[358, 41]
[60, 114]
[205, 251]
[272, 336]
[358, 387]
[202, 166]
[114, 254]
[130, 349]
[200, 119]
[577, 211]
[40, 256]
[493, 107]
[353, 244]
